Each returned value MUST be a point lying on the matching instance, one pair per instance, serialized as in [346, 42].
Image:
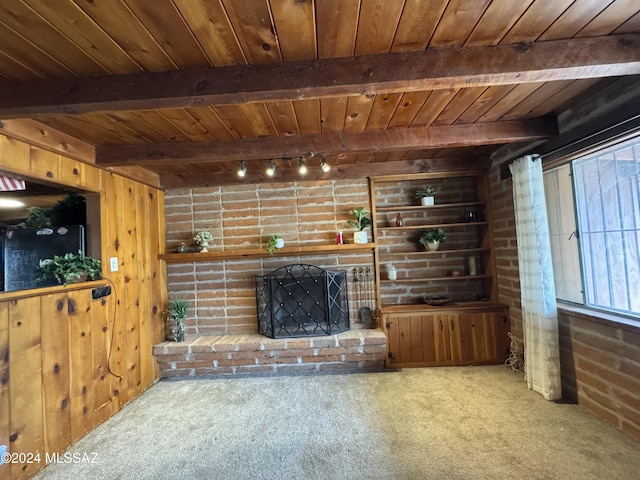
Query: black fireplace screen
[302, 301]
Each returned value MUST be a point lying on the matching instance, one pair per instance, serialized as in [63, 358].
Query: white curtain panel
[539, 310]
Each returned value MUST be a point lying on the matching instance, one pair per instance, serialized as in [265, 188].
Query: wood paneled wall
[55, 384]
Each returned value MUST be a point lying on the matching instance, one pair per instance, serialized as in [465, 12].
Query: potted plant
[70, 268]
[360, 223]
[176, 311]
[431, 238]
[426, 195]
[203, 239]
[275, 241]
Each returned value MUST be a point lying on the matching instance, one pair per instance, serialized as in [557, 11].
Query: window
[593, 206]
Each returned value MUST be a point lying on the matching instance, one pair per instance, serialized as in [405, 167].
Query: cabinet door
[418, 339]
[478, 337]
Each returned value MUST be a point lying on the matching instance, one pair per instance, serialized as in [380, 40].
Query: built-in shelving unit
[471, 329]
[287, 251]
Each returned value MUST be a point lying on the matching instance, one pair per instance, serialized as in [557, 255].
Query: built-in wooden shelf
[454, 306]
[436, 225]
[409, 208]
[459, 251]
[287, 251]
[436, 279]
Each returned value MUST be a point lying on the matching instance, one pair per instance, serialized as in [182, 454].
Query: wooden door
[419, 339]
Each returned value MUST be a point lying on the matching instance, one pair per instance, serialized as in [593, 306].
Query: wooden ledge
[36, 292]
[287, 251]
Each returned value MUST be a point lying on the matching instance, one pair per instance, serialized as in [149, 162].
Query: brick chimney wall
[245, 216]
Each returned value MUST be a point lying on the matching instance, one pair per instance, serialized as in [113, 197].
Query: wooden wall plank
[55, 372]
[5, 406]
[131, 302]
[101, 323]
[81, 365]
[158, 273]
[25, 365]
[143, 249]
[112, 245]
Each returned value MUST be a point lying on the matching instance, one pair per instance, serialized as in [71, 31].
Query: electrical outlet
[114, 264]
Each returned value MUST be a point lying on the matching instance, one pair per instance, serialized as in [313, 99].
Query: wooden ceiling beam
[434, 68]
[314, 174]
[416, 138]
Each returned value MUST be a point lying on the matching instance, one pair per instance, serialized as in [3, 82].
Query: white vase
[426, 201]
[432, 246]
[280, 243]
[360, 237]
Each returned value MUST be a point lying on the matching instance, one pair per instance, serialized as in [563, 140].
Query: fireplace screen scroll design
[302, 301]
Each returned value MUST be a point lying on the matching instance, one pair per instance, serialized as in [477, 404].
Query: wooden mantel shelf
[287, 251]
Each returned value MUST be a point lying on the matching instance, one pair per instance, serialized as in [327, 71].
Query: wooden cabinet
[428, 336]
[471, 329]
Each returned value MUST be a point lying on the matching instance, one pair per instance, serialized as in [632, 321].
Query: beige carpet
[431, 423]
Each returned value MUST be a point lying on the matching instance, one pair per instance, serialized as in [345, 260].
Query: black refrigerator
[24, 248]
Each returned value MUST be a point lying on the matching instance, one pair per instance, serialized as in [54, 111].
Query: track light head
[324, 165]
[242, 171]
[303, 166]
[271, 169]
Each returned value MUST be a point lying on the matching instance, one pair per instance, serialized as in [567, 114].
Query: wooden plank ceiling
[183, 90]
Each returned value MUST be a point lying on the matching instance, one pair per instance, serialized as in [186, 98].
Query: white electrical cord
[515, 360]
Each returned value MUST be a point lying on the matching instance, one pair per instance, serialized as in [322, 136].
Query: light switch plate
[114, 264]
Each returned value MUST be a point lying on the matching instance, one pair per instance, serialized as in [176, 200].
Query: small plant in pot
[70, 268]
[360, 223]
[275, 241]
[431, 238]
[426, 195]
[176, 311]
[203, 239]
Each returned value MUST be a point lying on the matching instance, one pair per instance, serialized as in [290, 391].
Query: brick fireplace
[222, 330]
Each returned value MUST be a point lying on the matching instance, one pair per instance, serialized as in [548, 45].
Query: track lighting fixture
[272, 168]
[242, 171]
[324, 165]
[303, 166]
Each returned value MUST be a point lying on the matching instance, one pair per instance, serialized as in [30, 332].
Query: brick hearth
[228, 355]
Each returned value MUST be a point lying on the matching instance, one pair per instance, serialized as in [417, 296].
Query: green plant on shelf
[70, 268]
[427, 191]
[361, 220]
[432, 235]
